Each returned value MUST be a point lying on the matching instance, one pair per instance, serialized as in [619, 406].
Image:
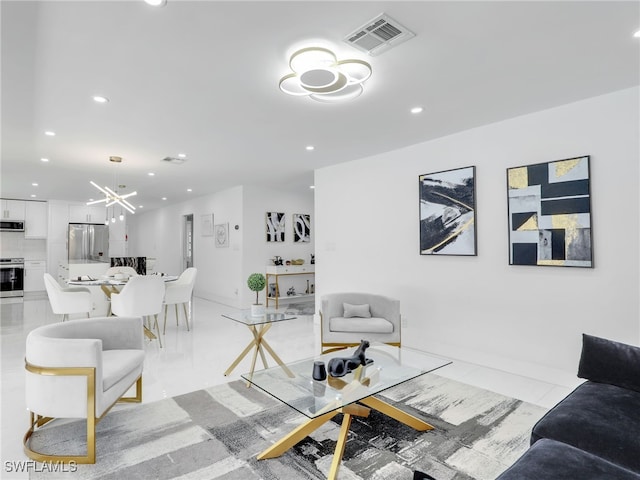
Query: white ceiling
[201, 78]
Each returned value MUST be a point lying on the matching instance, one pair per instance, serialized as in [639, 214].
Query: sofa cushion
[549, 459]
[599, 418]
[117, 364]
[356, 310]
[360, 325]
[606, 361]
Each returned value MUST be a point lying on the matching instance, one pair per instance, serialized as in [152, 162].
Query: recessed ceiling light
[189, 190]
[151, 174]
[164, 198]
[156, 3]
[34, 184]
[100, 99]
[33, 195]
[637, 34]
[312, 186]
[310, 147]
[182, 155]
[49, 133]
[140, 206]
[417, 110]
[44, 159]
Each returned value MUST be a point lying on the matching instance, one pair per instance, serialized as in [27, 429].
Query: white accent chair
[130, 271]
[142, 296]
[80, 369]
[348, 318]
[66, 301]
[179, 291]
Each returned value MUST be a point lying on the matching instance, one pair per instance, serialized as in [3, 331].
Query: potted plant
[256, 283]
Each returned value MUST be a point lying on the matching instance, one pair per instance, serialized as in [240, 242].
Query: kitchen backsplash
[13, 244]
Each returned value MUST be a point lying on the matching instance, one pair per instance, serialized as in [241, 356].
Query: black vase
[319, 371]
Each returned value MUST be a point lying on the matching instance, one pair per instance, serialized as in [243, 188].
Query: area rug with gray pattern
[217, 433]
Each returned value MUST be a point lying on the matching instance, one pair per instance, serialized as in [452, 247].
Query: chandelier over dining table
[112, 197]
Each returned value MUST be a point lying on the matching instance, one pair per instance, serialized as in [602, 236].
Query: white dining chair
[179, 291]
[130, 271]
[66, 301]
[142, 296]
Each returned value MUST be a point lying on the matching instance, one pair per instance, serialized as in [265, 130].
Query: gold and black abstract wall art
[448, 212]
[549, 208]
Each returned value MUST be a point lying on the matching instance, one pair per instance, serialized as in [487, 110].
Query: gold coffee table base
[259, 345]
[349, 411]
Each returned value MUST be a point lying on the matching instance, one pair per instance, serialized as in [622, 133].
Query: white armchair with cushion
[66, 301]
[179, 291]
[348, 318]
[80, 369]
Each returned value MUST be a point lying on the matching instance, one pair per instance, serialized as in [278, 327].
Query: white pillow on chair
[361, 311]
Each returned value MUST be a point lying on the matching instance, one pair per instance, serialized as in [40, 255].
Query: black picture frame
[275, 227]
[549, 213]
[301, 228]
[447, 212]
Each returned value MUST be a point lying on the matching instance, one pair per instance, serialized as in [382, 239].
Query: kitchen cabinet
[276, 294]
[35, 225]
[12, 209]
[34, 275]
[87, 214]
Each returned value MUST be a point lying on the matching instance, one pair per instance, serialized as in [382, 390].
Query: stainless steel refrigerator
[88, 242]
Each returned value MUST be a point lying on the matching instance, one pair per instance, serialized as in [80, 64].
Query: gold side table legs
[349, 411]
[259, 345]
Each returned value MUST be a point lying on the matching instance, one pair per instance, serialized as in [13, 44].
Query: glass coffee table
[352, 394]
[259, 326]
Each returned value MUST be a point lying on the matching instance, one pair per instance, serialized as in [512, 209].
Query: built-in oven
[11, 277]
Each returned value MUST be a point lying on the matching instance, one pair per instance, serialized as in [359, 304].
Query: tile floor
[197, 359]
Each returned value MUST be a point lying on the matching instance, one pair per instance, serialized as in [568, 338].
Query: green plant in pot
[256, 283]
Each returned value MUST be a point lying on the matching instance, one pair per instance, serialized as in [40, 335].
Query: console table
[277, 271]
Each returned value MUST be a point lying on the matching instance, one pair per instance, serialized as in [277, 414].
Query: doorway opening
[187, 242]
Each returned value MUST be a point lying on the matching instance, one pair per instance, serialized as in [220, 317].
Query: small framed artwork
[275, 224]
[448, 212]
[301, 228]
[206, 224]
[221, 234]
[549, 206]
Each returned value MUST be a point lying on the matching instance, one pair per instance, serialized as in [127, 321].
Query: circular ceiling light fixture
[318, 74]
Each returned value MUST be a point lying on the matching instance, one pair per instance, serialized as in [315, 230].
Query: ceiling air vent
[174, 160]
[379, 35]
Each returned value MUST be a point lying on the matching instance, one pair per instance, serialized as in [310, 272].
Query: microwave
[11, 226]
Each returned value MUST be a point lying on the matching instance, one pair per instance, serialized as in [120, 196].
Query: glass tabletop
[271, 315]
[390, 366]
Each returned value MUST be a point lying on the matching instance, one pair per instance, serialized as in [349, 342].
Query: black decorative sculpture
[340, 366]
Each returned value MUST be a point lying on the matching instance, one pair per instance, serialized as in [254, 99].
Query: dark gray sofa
[594, 433]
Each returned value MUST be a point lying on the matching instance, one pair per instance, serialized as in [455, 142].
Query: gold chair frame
[37, 421]
[328, 347]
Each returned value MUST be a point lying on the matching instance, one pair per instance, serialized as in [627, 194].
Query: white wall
[523, 319]
[222, 272]
[159, 234]
[257, 202]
